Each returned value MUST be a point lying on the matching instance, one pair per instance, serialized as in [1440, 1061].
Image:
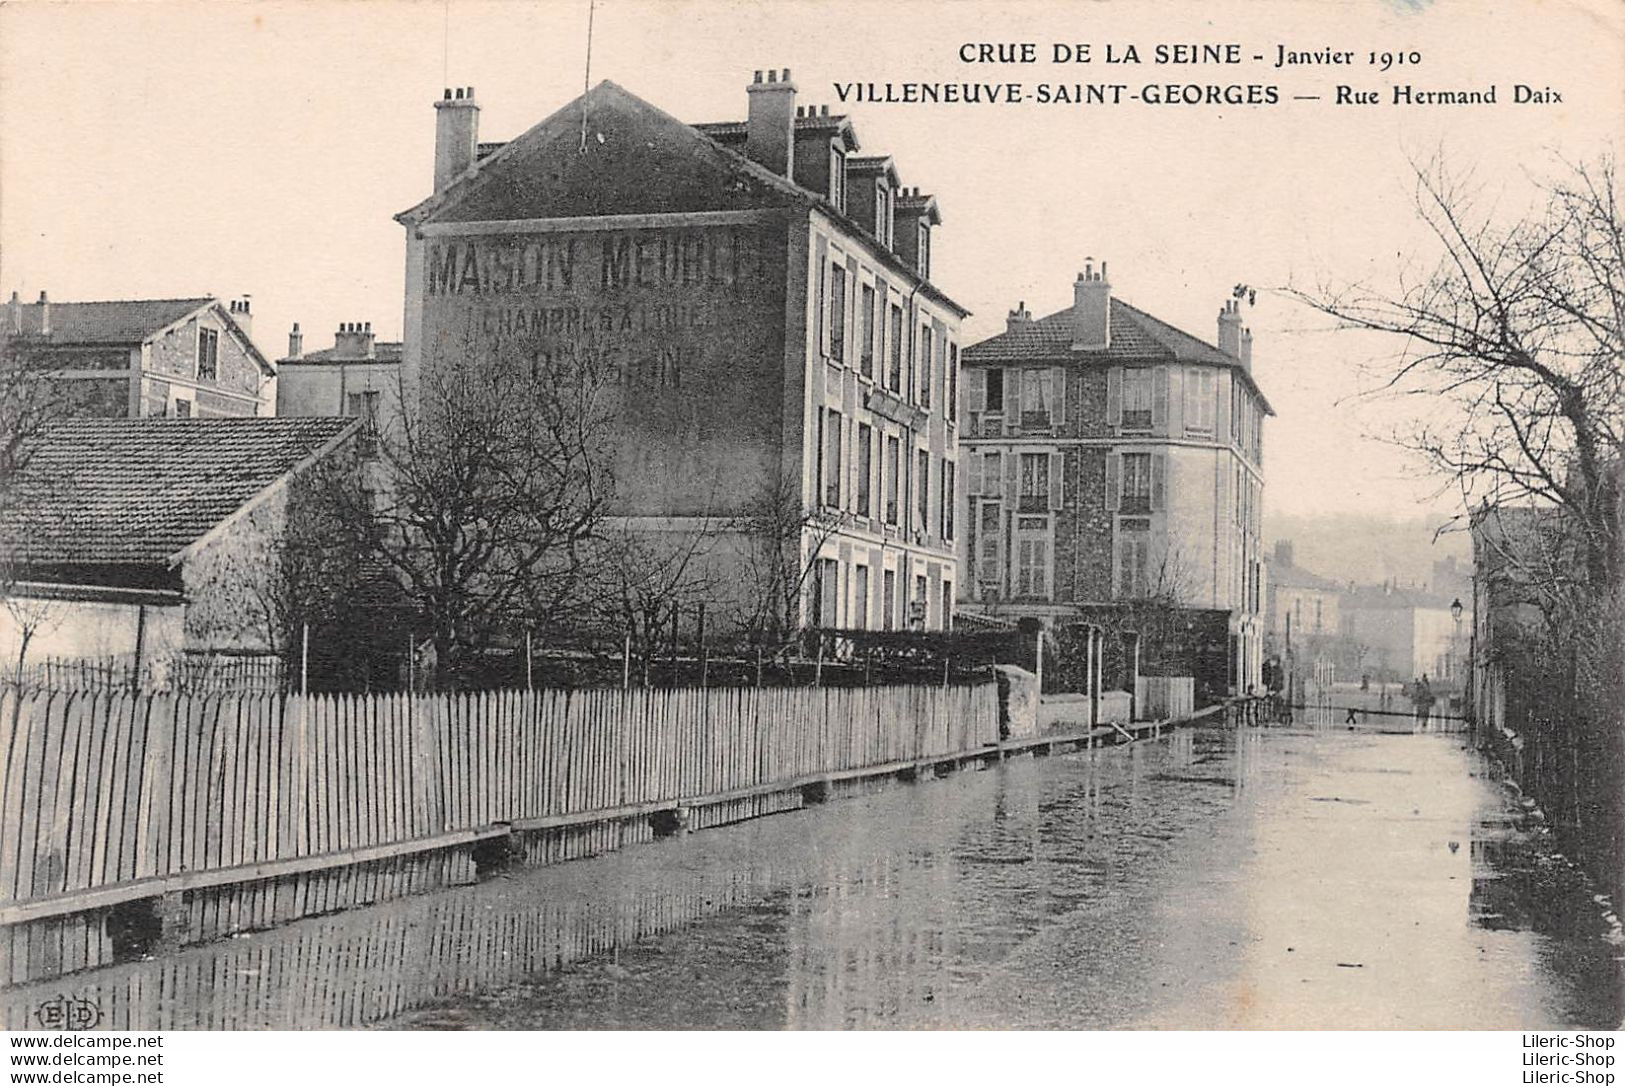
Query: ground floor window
[860, 598]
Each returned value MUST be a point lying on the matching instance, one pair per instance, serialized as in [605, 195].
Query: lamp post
[1455, 646]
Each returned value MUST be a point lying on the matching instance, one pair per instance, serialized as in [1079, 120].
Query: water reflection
[1122, 886]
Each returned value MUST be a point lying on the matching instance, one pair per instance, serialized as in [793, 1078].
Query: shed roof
[115, 491]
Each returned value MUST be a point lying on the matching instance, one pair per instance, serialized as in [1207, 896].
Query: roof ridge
[139, 301]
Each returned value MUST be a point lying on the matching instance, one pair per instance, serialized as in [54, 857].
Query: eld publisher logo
[65, 1012]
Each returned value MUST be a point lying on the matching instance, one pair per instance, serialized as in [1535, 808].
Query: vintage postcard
[615, 514]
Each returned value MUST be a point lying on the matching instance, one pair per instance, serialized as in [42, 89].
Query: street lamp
[1455, 610]
[1455, 645]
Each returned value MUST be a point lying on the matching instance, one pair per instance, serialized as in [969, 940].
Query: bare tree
[779, 541]
[643, 582]
[1513, 338]
[493, 484]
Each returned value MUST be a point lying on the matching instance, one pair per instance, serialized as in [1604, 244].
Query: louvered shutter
[1058, 395]
[1057, 479]
[973, 477]
[1159, 399]
[1012, 479]
[1221, 420]
[1114, 471]
[1181, 378]
[1114, 396]
[821, 300]
[1012, 396]
[1159, 464]
[975, 389]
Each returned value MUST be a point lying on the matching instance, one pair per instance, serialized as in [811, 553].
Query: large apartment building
[757, 295]
[1112, 458]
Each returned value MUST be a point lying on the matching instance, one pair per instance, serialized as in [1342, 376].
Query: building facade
[755, 298]
[357, 377]
[150, 358]
[1112, 459]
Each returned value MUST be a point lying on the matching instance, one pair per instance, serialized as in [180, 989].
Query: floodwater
[1293, 877]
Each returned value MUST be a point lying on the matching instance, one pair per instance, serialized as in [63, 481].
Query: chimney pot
[786, 78]
[824, 111]
[1091, 309]
[296, 342]
[770, 123]
[43, 300]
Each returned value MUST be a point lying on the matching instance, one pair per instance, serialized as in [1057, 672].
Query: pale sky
[152, 149]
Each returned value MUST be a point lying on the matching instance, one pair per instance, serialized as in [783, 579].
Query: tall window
[822, 305]
[992, 473]
[948, 499]
[860, 598]
[925, 249]
[894, 331]
[832, 461]
[866, 320]
[826, 592]
[888, 599]
[1137, 398]
[1035, 397]
[1199, 400]
[882, 213]
[837, 177]
[995, 391]
[1032, 566]
[364, 406]
[952, 395]
[925, 365]
[947, 605]
[922, 488]
[916, 607]
[893, 477]
[1136, 483]
[1134, 547]
[989, 545]
[1034, 481]
[837, 313]
[865, 467]
[208, 354]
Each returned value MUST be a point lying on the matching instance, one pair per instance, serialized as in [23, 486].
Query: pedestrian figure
[1422, 698]
[1350, 720]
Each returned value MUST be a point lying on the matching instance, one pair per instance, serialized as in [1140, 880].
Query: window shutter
[973, 479]
[1012, 478]
[976, 389]
[1057, 408]
[1159, 464]
[1114, 470]
[1221, 423]
[1114, 396]
[821, 277]
[1159, 399]
[1012, 395]
[1179, 398]
[1057, 479]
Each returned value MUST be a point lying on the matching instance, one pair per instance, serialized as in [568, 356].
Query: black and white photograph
[581, 515]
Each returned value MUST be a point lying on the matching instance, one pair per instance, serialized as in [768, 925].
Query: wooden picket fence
[107, 798]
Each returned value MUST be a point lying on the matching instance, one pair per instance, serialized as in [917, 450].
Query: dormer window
[883, 214]
[924, 251]
[837, 177]
[208, 354]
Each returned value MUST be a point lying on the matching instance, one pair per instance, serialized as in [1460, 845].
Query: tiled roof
[330, 356]
[106, 491]
[116, 322]
[1136, 336]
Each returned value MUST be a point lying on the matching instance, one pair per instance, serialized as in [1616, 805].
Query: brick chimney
[1091, 309]
[1247, 349]
[456, 135]
[1018, 318]
[770, 122]
[354, 340]
[242, 312]
[296, 342]
[44, 314]
[1230, 329]
[14, 314]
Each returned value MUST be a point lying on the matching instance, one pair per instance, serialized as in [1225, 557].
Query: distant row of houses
[760, 294]
[1378, 633]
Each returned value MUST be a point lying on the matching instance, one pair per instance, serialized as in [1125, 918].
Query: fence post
[705, 656]
[626, 660]
[529, 686]
[304, 662]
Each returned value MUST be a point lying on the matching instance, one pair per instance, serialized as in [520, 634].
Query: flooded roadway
[1282, 877]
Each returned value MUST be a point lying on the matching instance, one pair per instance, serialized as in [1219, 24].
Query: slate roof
[116, 322]
[1136, 336]
[115, 491]
[1294, 576]
[330, 356]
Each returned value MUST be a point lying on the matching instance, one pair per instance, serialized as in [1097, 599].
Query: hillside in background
[1370, 550]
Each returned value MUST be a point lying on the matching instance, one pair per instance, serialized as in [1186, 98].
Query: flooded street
[1290, 877]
